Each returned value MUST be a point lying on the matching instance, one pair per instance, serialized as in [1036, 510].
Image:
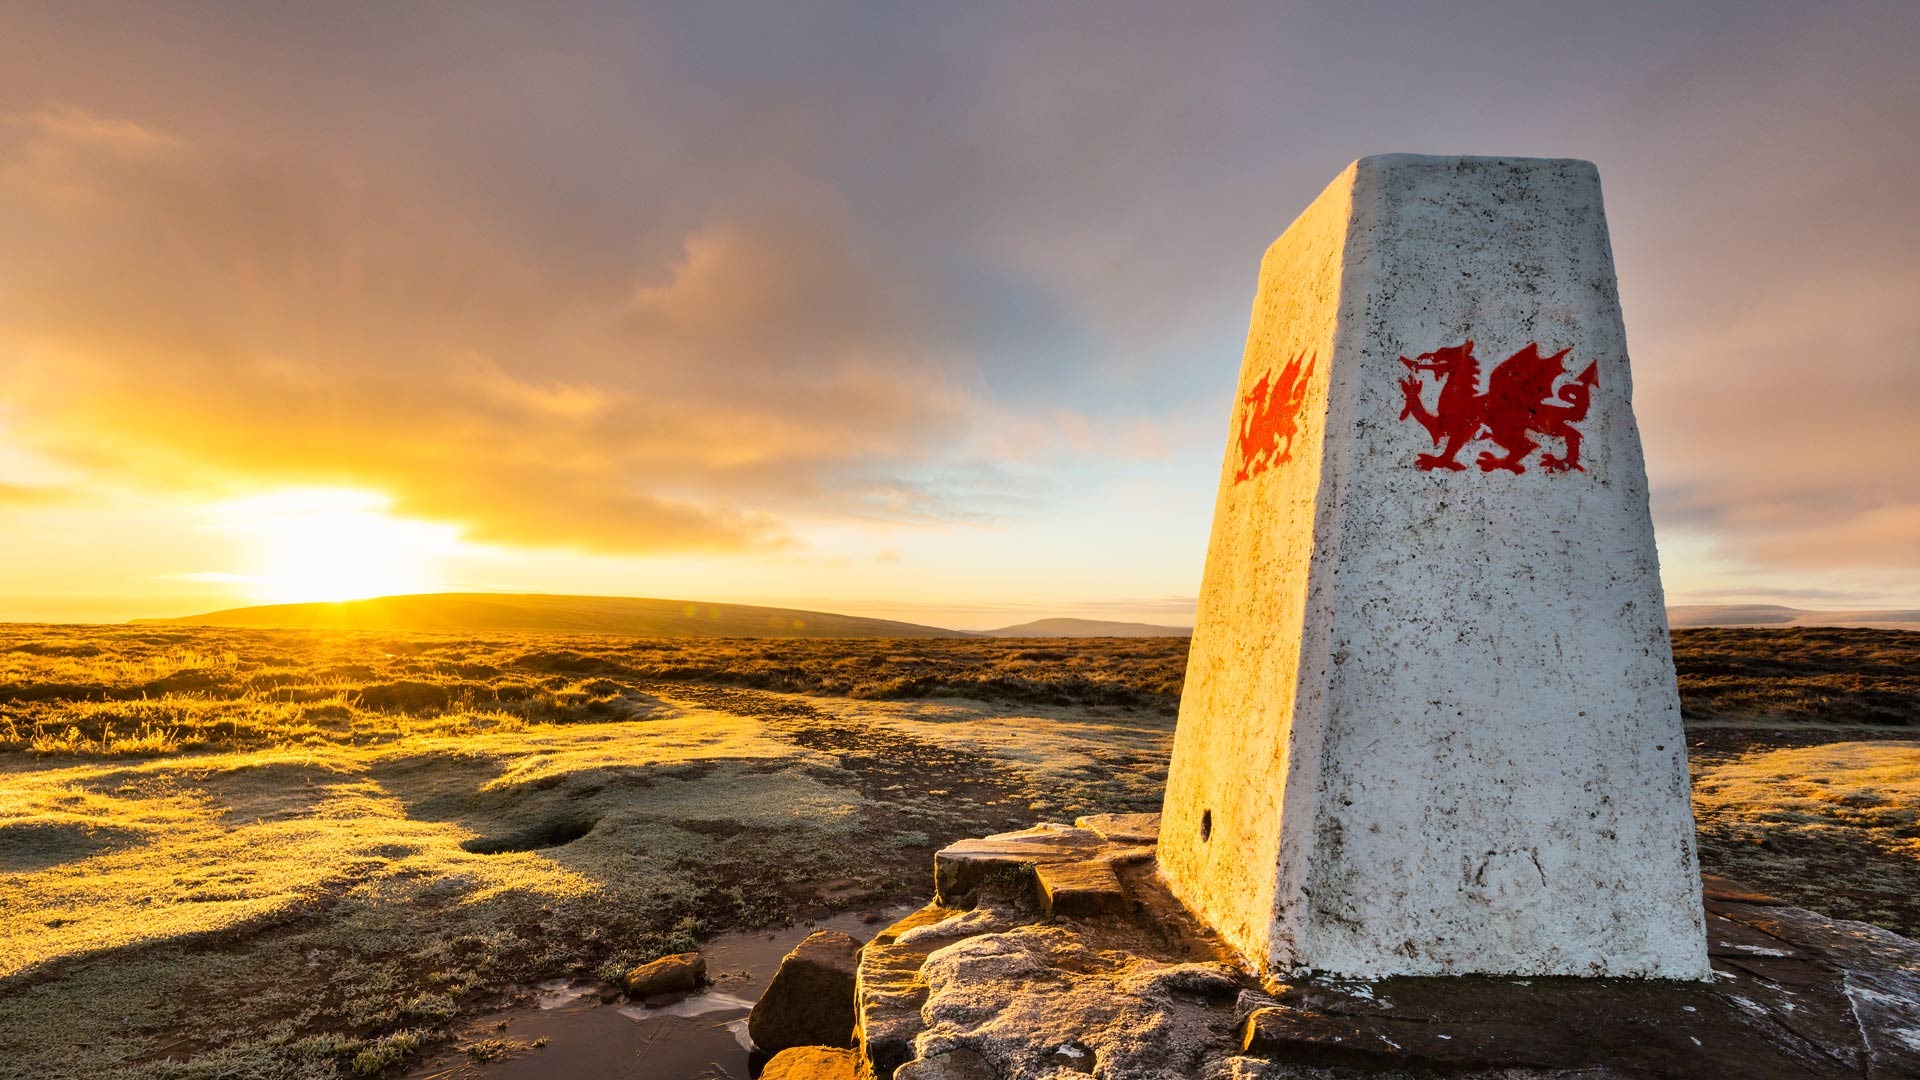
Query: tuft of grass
[495, 1049]
[390, 1051]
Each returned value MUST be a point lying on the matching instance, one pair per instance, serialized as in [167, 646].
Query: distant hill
[1086, 628]
[1683, 616]
[463, 613]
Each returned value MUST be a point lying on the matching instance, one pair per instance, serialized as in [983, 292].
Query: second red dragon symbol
[1519, 403]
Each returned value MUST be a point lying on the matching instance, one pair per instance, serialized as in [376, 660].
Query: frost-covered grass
[1834, 827]
[1872, 786]
[234, 853]
[105, 691]
[1083, 754]
[322, 910]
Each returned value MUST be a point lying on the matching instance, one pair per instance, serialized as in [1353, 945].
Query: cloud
[59, 126]
[1783, 423]
[206, 321]
[29, 495]
[693, 279]
[55, 150]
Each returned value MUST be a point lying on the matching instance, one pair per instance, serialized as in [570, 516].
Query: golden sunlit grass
[230, 853]
[1825, 674]
[181, 846]
[1870, 786]
[1836, 826]
[369, 890]
[118, 690]
[265, 854]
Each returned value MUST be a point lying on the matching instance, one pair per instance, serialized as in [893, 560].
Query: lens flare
[313, 544]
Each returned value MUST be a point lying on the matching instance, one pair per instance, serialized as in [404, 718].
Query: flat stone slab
[1081, 888]
[961, 868]
[1009, 989]
[1795, 1019]
[1123, 828]
[809, 1001]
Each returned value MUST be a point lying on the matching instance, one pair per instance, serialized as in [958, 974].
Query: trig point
[1430, 724]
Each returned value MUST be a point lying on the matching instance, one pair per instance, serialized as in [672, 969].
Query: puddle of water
[698, 1005]
[557, 992]
[701, 1037]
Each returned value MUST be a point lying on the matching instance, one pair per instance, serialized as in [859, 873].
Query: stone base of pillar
[1057, 949]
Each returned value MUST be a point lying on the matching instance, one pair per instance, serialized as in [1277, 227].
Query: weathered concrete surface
[1003, 991]
[1430, 723]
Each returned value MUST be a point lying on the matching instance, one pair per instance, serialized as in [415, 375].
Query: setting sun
[333, 544]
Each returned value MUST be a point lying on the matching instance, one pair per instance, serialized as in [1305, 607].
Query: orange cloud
[1783, 428]
[209, 323]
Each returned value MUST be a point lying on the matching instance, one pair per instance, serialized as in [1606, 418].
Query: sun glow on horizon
[325, 544]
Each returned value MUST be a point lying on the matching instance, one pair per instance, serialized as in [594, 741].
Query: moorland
[250, 852]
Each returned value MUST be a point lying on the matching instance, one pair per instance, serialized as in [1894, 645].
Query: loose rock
[810, 1000]
[1046, 1001]
[681, 971]
[1123, 828]
[1143, 991]
[812, 1063]
[1080, 888]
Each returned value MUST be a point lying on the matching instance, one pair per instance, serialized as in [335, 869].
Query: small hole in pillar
[1206, 825]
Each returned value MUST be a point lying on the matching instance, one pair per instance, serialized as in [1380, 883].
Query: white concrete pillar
[1430, 723]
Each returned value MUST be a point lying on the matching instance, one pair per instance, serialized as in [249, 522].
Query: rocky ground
[332, 910]
[228, 853]
[1056, 951]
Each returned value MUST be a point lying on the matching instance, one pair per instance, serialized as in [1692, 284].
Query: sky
[926, 311]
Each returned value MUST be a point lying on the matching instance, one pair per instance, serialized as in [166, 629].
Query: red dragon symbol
[1519, 403]
[1272, 415]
